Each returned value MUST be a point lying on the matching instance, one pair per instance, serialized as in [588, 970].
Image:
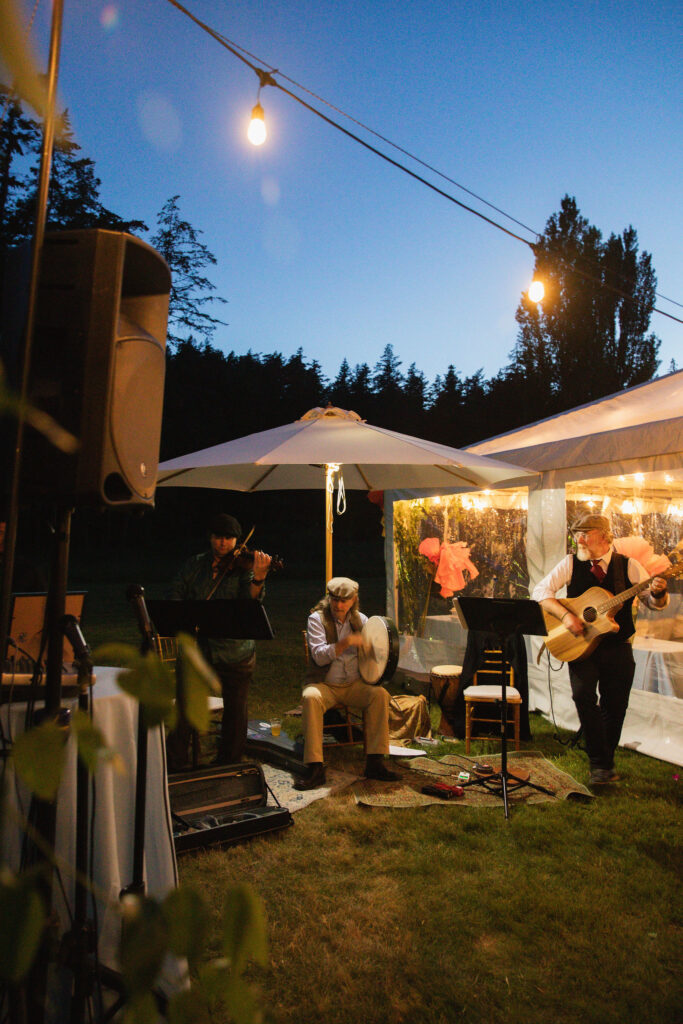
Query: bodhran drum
[378, 657]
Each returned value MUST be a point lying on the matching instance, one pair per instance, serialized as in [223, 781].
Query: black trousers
[601, 685]
[235, 680]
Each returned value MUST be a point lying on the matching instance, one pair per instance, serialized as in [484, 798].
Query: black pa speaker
[97, 365]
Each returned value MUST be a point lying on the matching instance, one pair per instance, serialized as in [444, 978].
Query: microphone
[71, 629]
[136, 595]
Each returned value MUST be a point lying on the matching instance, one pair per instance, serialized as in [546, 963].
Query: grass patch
[565, 913]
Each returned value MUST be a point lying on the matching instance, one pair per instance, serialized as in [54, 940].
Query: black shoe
[314, 778]
[376, 769]
[603, 776]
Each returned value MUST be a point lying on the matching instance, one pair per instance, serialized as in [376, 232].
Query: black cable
[412, 156]
[266, 78]
[573, 740]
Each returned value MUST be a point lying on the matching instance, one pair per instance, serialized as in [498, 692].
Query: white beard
[583, 554]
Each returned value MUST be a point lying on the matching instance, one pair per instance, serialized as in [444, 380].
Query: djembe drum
[444, 684]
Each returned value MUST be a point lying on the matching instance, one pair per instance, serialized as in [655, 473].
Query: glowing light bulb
[536, 291]
[256, 132]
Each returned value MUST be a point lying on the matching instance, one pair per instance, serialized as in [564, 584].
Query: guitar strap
[620, 563]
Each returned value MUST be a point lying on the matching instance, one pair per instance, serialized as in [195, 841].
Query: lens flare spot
[159, 122]
[110, 16]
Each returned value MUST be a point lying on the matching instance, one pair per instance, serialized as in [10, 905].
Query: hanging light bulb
[536, 291]
[256, 132]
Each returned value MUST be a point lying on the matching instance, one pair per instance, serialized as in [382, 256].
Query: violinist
[217, 574]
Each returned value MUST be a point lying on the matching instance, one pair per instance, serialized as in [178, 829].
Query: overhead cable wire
[266, 78]
[361, 124]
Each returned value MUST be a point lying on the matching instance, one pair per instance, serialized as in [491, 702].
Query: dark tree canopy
[178, 242]
[585, 340]
[74, 191]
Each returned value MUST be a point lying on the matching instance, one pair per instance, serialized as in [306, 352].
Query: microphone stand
[136, 595]
[81, 939]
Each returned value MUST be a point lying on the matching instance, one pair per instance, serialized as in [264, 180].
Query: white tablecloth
[116, 715]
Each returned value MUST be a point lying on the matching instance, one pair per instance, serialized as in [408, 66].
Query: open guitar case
[222, 805]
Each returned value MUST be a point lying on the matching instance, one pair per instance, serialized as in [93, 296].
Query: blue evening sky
[322, 245]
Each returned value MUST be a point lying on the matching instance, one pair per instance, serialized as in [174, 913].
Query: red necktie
[598, 570]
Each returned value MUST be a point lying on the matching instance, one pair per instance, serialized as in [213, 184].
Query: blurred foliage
[152, 929]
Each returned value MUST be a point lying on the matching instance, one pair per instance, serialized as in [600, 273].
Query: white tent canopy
[639, 428]
[634, 435]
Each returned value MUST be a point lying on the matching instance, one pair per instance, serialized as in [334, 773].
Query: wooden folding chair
[486, 693]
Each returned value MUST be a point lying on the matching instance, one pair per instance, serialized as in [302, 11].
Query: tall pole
[46, 813]
[331, 469]
[38, 237]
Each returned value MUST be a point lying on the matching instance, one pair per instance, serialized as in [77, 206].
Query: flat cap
[588, 521]
[342, 586]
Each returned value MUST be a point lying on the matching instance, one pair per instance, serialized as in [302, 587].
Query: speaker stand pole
[45, 812]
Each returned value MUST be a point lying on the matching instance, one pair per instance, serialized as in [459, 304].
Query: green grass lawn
[564, 913]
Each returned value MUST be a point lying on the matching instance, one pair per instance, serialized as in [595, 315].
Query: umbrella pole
[330, 470]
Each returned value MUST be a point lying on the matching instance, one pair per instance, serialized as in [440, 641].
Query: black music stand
[241, 618]
[506, 618]
[217, 619]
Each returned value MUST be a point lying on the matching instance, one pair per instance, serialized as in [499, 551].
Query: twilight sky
[320, 243]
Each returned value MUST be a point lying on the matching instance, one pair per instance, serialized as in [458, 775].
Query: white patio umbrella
[332, 446]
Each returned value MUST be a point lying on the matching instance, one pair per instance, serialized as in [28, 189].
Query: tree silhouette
[178, 242]
[588, 337]
[74, 190]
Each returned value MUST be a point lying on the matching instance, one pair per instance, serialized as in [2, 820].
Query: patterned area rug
[406, 792]
[281, 784]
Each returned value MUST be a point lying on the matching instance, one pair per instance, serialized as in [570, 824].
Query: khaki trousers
[317, 698]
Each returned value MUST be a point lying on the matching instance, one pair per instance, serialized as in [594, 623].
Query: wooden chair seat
[490, 693]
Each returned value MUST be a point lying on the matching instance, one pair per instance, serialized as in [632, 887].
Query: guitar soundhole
[589, 614]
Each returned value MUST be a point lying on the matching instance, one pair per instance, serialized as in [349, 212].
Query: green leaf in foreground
[244, 928]
[199, 681]
[39, 757]
[141, 1010]
[216, 995]
[144, 677]
[23, 914]
[92, 747]
[144, 943]
[188, 921]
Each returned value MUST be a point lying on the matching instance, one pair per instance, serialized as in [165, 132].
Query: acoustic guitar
[596, 608]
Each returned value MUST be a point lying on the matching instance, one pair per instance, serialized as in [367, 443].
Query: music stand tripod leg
[505, 618]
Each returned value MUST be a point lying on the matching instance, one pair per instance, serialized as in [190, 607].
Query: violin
[243, 558]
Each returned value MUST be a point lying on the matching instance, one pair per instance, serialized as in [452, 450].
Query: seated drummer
[334, 636]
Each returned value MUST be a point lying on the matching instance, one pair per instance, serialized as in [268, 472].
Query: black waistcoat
[582, 579]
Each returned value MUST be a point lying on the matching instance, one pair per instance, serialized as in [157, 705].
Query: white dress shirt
[343, 667]
[560, 576]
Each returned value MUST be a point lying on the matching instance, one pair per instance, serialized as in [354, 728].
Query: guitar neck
[618, 599]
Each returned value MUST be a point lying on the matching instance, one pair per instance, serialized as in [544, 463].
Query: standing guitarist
[611, 665]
